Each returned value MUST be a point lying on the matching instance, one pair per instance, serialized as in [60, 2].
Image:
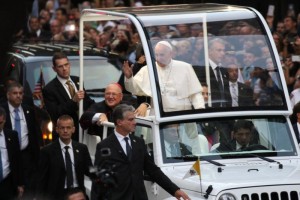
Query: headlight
[50, 126]
[227, 196]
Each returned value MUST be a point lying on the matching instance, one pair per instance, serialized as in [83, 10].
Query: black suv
[31, 65]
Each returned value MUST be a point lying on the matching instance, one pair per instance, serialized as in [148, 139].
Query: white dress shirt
[63, 82]
[71, 152]
[122, 141]
[4, 155]
[24, 130]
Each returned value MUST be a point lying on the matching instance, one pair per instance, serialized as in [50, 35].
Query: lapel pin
[27, 111]
[77, 151]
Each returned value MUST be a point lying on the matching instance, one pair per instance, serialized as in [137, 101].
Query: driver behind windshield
[242, 137]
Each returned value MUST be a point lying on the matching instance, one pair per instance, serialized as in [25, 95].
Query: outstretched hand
[127, 70]
[179, 194]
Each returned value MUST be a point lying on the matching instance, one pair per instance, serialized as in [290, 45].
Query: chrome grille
[284, 195]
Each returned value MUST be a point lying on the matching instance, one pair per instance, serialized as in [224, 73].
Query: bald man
[100, 112]
[179, 85]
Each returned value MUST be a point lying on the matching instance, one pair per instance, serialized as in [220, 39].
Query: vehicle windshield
[226, 138]
[217, 46]
[220, 138]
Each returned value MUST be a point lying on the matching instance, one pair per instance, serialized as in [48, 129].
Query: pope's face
[163, 55]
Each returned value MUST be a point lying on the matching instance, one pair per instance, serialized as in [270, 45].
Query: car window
[98, 73]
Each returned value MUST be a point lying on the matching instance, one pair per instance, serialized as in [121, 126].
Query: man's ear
[119, 122]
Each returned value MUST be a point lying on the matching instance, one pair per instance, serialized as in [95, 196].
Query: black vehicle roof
[47, 49]
[168, 9]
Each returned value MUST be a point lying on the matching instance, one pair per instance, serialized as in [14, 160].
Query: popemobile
[232, 143]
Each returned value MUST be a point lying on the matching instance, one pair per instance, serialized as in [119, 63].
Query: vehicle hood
[235, 175]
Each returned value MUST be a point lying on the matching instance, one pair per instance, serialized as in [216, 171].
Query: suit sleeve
[42, 174]
[54, 106]
[157, 175]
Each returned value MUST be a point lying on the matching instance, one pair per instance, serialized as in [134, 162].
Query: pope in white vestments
[179, 85]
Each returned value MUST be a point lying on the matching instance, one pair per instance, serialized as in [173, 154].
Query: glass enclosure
[238, 47]
[212, 61]
[224, 138]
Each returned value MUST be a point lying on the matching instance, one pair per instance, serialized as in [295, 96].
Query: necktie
[220, 84]
[219, 76]
[234, 95]
[128, 148]
[69, 170]
[71, 88]
[18, 123]
[1, 168]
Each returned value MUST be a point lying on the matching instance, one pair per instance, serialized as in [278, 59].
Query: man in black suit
[11, 177]
[217, 78]
[296, 125]
[243, 138]
[22, 119]
[100, 112]
[61, 95]
[131, 160]
[173, 147]
[239, 94]
[55, 178]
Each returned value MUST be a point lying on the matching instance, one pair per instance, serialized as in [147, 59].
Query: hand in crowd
[127, 70]
[20, 191]
[78, 96]
[102, 118]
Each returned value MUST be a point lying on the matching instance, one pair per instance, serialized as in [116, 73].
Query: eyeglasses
[108, 94]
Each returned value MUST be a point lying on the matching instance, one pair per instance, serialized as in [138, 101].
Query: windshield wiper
[212, 162]
[280, 166]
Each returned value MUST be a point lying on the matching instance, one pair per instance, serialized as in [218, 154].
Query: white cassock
[179, 85]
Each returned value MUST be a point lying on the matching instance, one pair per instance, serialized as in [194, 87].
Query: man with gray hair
[129, 155]
[179, 87]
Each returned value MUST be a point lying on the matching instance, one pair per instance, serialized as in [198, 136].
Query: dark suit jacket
[245, 95]
[86, 118]
[129, 174]
[52, 171]
[13, 150]
[214, 87]
[296, 132]
[34, 133]
[58, 102]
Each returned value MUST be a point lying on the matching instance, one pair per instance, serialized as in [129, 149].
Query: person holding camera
[130, 159]
[63, 163]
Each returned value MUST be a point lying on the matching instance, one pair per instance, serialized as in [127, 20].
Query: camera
[104, 174]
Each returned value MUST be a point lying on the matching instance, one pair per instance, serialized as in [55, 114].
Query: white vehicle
[268, 168]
